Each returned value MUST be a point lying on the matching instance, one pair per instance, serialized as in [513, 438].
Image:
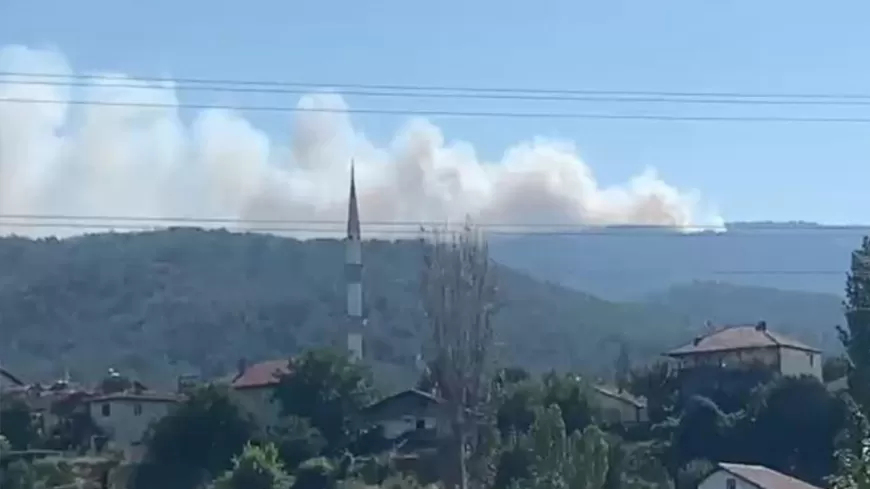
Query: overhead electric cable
[449, 113]
[397, 87]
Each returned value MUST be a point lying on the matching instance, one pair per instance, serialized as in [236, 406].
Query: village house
[410, 411]
[253, 388]
[739, 347]
[740, 476]
[618, 405]
[125, 417]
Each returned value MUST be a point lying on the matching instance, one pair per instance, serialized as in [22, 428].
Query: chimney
[241, 367]
[708, 325]
[761, 326]
[697, 340]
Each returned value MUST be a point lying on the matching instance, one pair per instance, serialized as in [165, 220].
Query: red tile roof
[263, 374]
[739, 338]
[765, 478]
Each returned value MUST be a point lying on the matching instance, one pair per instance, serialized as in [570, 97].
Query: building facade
[125, 417]
[742, 476]
[618, 406]
[253, 388]
[748, 347]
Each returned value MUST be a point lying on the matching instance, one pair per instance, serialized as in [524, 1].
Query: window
[421, 424]
[137, 409]
[812, 359]
[106, 409]
[730, 483]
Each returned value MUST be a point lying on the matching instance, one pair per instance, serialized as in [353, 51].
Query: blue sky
[749, 170]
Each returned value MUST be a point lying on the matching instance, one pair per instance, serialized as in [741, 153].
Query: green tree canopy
[856, 335]
[195, 442]
[795, 422]
[328, 389]
[18, 427]
[258, 467]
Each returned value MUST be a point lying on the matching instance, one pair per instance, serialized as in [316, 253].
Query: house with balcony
[745, 347]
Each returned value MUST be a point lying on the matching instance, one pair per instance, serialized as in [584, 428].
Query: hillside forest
[142, 302]
[531, 430]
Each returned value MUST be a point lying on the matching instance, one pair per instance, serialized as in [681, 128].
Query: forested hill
[191, 301]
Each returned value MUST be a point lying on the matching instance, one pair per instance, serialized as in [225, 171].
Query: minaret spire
[353, 227]
[353, 274]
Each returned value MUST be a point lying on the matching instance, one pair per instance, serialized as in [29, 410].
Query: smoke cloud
[60, 159]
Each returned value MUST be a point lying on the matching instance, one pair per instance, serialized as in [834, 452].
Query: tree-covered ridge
[807, 316]
[156, 304]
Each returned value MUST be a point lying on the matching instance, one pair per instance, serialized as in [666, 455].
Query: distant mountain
[158, 304]
[630, 264]
[808, 316]
[789, 274]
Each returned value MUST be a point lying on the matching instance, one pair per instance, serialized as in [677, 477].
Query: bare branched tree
[459, 293]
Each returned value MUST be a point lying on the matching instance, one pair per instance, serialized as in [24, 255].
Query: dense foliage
[195, 442]
[144, 302]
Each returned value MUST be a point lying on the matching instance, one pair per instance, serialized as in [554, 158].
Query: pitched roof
[147, 396]
[424, 397]
[263, 374]
[739, 338]
[12, 378]
[765, 478]
[621, 395]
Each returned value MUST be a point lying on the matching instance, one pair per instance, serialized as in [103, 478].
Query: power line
[593, 96]
[95, 227]
[450, 113]
[408, 229]
[100, 224]
[738, 228]
[440, 88]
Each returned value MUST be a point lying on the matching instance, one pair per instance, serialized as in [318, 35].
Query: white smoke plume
[96, 160]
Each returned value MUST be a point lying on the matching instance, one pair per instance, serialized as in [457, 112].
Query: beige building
[126, 416]
[253, 388]
[748, 346]
[618, 405]
[740, 476]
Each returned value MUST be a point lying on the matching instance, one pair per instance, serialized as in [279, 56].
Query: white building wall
[124, 423]
[798, 362]
[355, 346]
[618, 410]
[397, 427]
[720, 480]
[747, 356]
[354, 300]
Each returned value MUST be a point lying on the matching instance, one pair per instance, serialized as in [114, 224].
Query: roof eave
[255, 386]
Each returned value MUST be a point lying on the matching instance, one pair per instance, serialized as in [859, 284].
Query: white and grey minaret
[353, 275]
